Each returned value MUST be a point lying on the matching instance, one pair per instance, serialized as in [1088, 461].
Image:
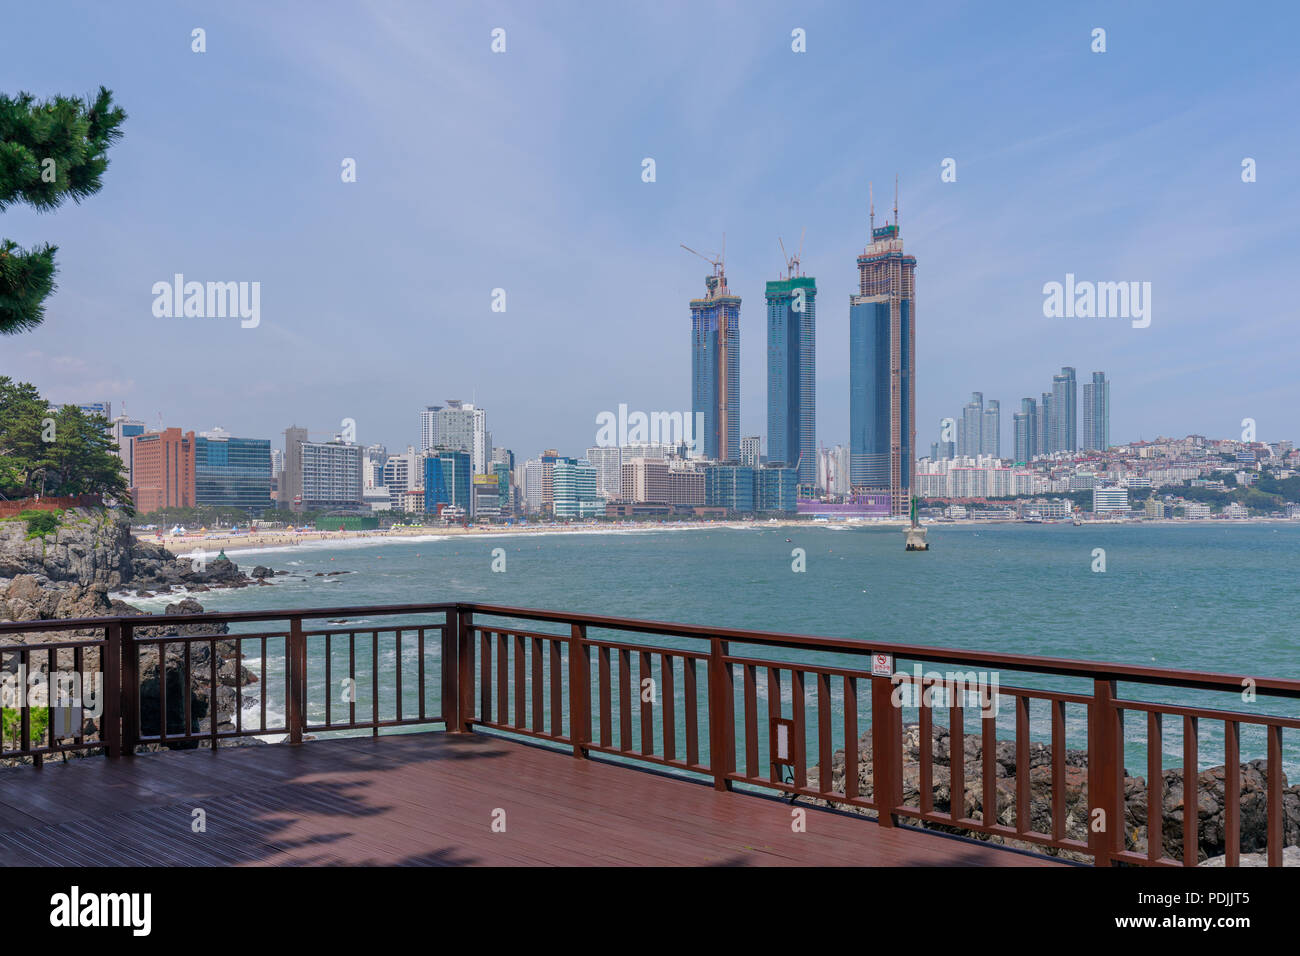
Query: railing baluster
[773, 712]
[397, 655]
[956, 754]
[352, 682]
[751, 721]
[1058, 770]
[669, 706]
[606, 692]
[824, 747]
[212, 699]
[420, 664]
[647, 708]
[485, 676]
[374, 686]
[110, 658]
[503, 678]
[799, 741]
[1155, 787]
[926, 730]
[261, 693]
[329, 679]
[691, 712]
[624, 700]
[535, 669]
[1023, 810]
[162, 690]
[989, 748]
[79, 667]
[1274, 795]
[239, 688]
[850, 737]
[557, 691]
[1232, 793]
[521, 687]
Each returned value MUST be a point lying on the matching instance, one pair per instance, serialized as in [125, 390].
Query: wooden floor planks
[424, 799]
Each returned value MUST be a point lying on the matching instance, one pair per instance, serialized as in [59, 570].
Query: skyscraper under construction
[882, 368]
[715, 365]
[792, 371]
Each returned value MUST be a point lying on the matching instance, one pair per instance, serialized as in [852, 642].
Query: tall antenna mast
[895, 200]
[871, 193]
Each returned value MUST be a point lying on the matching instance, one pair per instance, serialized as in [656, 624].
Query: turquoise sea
[1202, 596]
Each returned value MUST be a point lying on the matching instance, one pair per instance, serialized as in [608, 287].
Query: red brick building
[163, 470]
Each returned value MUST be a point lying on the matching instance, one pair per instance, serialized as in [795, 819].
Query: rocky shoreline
[1209, 797]
[71, 574]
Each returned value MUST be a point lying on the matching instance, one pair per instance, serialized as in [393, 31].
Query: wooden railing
[686, 699]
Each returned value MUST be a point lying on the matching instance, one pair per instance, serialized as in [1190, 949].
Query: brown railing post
[465, 661]
[110, 661]
[580, 690]
[130, 688]
[296, 665]
[722, 740]
[1105, 832]
[886, 751]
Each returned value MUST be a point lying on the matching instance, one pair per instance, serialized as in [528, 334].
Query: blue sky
[522, 171]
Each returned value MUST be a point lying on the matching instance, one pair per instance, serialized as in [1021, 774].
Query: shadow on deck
[425, 799]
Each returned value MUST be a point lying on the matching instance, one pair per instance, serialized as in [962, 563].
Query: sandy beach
[267, 540]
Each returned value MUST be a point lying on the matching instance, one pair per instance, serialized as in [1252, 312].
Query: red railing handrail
[1058, 666]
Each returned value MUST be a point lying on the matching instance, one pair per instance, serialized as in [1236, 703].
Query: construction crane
[792, 262]
[717, 281]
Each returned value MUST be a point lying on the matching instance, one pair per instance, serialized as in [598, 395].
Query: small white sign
[882, 665]
[782, 742]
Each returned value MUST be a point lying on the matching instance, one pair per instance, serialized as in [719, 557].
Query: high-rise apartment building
[1094, 414]
[751, 450]
[882, 368]
[1064, 415]
[123, 430]
[331, 476]
[574, 489]
[163, 467]
[991, 429]
[970, 430]
[1025, 423]
[460, 425]
[608, 462]
[715, 367]
[1044, 443]
[791, 375]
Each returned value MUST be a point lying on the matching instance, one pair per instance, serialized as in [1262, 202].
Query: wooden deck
[424, 799]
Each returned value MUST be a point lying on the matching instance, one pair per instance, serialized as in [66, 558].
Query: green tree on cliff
[50, 150]
[55, 453]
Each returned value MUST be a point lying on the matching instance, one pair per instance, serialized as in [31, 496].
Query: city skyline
[1041, 169]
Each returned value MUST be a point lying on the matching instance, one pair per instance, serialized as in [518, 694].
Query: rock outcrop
[1209, 795]
[70, 574]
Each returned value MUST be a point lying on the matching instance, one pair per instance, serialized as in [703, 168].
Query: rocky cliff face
[70, 574]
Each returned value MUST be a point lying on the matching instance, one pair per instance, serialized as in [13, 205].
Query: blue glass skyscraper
[792, 374]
